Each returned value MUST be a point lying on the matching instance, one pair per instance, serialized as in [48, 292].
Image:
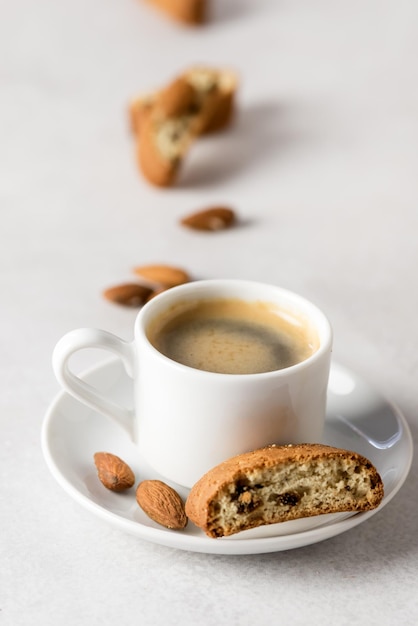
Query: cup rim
[198, 287]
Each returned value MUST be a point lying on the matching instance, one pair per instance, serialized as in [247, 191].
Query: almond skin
[177, 99]
[128, 294]
[114, 473]
[165, 275]
[210, 219]
[156, 292]
[162, 504]
[189, 12]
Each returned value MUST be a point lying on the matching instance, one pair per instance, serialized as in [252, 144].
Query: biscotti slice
[215, 96]
[199, 101]
[191, 12]
[282, 483]
[138, 110]
[161, 148]
[177, 99]
[220, 84]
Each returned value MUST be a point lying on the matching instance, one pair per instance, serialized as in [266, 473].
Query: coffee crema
[232, 336]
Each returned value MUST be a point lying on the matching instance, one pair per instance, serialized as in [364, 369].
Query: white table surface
[321, 165]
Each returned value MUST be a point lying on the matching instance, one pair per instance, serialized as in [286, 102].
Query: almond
[190, 12]
[128, 294]
[156, 292]
[165, 275]
[161, 503]
[211, 219]
[177, 99]
[114, 473]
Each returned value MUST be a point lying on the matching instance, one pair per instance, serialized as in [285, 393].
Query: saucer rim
[201, 543]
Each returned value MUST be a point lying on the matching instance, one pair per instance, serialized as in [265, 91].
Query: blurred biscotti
[165, 123]
[281, 483]
[206, 92]
[191, 12]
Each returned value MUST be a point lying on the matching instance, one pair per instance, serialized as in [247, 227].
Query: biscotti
[282, 483]
[199, 101]
[199, 82]
[191, 12]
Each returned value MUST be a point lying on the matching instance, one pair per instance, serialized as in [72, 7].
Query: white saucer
[358, 418]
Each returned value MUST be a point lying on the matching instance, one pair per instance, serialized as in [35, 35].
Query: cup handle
[93, 338]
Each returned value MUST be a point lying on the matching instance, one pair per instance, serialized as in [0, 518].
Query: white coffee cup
[187, 420]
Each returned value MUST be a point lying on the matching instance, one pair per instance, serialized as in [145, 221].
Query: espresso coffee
[232, 336]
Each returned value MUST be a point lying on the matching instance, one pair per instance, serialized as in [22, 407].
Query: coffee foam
[232, 336]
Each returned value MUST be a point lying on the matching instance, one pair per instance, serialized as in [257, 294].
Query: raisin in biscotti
[199, 101]
[281, 483]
